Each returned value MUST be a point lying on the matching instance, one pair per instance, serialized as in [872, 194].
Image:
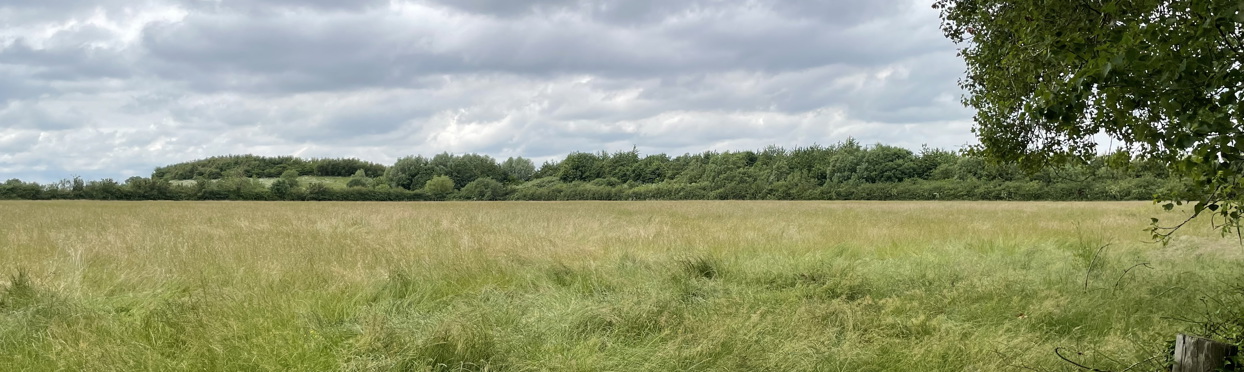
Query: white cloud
[115, 88]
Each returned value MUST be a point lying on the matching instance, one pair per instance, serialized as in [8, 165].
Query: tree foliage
[483, 189]
[845, 171]
[519, 169]
[1162, 77]
[439, 187]
[410, 172]
[246, 166]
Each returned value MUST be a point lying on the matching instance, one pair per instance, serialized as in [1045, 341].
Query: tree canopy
[1161, 77]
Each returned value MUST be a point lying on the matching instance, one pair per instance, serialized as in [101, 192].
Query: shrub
[483, 189]
[439, 187]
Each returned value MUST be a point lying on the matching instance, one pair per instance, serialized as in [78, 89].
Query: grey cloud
[506, 8]
[28, 115]
[351, 125]
[15, 141]
[635, 12]
[295, 52]
[73, 63]
[287, 53]
[839, 11]
[267, 7]
[61, 8]
[177, 80]
[14, 86]
[60, 4]
[43, 10]
[926, 92]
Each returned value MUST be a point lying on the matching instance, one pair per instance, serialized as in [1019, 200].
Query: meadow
[600, 286]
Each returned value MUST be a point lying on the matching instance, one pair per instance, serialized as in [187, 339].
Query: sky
[115, 88]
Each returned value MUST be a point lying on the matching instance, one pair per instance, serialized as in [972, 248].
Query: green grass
[595, 286]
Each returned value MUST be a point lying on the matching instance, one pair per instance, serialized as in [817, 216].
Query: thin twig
[1058, 352]
[1120, 280]
[1092, 262]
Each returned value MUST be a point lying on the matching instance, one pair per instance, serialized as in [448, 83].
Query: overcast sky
[114, 88]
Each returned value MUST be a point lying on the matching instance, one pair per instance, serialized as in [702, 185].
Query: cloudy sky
[114, 88]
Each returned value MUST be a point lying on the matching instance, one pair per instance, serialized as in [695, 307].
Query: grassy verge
[594, 286]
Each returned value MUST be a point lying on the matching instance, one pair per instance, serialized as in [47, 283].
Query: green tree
[883, 163]
[519, 169]
[409, 172]
[282, 188]
[623, 166]
[467, 168]
[285, 187]
[290, 176]
[359, 179]
[78, 185]
[581, 166]
[439, 187]
[547, 169]
[843, 162]
[1164, 77]
[483, 189]
[319, 191]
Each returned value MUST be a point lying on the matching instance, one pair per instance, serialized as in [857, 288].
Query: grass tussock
[580, 286]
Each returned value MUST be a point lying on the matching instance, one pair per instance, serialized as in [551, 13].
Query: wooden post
[1195, 354]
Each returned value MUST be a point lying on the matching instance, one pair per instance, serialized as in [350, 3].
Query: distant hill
[218, 167]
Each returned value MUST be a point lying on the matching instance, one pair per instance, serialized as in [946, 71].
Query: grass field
[597, 286]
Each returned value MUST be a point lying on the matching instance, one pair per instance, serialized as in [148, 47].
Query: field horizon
[586, 286]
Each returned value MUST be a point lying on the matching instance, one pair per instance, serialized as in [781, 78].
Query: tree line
[843, 171]
[218, 167]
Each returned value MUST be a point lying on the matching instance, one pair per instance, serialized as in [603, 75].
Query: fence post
[1195, 354]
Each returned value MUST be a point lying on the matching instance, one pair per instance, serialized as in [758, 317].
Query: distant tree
[519, 169]
[549, 168]
[931, 159]
[77, 188]
[843, 161]
[359, 179]
[381, 183]
[290, 176]
[319, 191]
[581, 166]
[16, 189]
[105, 189]
[141, 188]
[286, 187]
[410, 172]
[651, 169]
[883, 163]
[216, 167]
[282, 188]
[483, 189]
[623, 166]
[467, 167]
[812, 161]
[439, 187]
[345, 167]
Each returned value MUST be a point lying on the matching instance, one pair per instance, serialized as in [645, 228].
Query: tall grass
[585, 286]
